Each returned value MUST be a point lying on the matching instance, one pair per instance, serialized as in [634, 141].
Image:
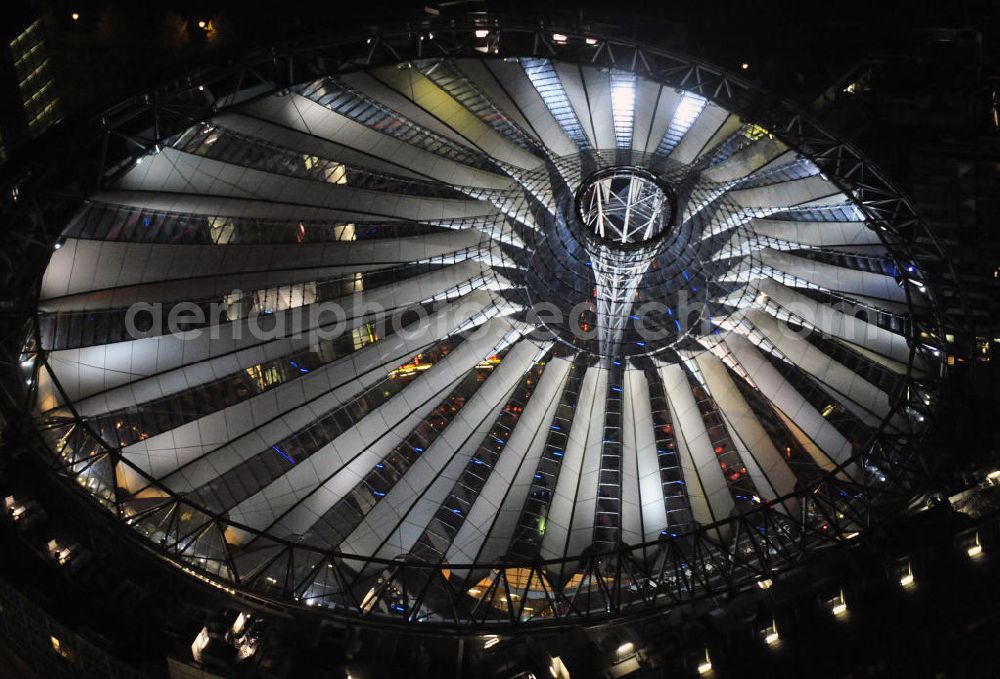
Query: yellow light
[559, 38]
[840, 608]
[906, 580]
[201, 24]
[56, 645]
[626, 648]
[482, 33]
[765, 583]
[705, 668]
[591, 41]
[75, 16]
[745, 66]
[974, 551]
[772, 637]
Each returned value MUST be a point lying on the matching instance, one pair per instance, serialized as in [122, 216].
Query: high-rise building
[29, 94]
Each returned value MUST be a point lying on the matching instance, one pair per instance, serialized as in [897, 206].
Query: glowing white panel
[654, 511]
[344, 462]
[490, 525]
[86, 371]
[647, 94]
[831, 277]
[414, 500]
[272, 416]
[512, 79]
[174, 171]
[301, 113]
[390, 86]
[765, 465]
[685, 114]
[409, 82]
[582, 525]
[298, 140]
[709, 122]
[800, 192]
[635, 398]
[835, 448]
[564, 501]
[601, 101]
[879, 344]
[866, 400]
[746, 161]
[571, 78]
[704, 481]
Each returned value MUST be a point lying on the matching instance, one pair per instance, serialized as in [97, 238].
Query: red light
[720, 449]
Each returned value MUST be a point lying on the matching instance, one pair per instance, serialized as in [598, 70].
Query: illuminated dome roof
[487, 338]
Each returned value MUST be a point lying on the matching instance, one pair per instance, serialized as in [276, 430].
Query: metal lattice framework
[623, 207]
[531, 593]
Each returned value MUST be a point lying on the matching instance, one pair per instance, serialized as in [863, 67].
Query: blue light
[418, 450]
[678, 324]
[476, 460]
[640, 344]
[378, 493]
[634, 317]
[556, 427]
[616, 389]
[538, 476]
[616, 362]
[500, 441]
[557, 453]
[380, 466]
[283, 454]
[456, 511]
[686, 275]
[293, 364]
[670, 311]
